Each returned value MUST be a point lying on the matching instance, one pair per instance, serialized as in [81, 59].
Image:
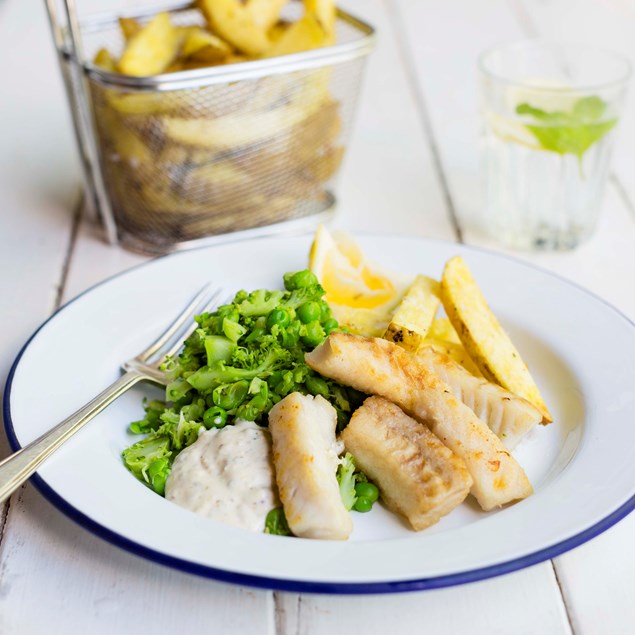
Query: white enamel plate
[581, 352]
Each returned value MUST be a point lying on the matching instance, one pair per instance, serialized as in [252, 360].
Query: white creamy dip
[227, 475]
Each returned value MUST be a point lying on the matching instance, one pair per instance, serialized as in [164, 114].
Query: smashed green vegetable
[571, 132]
[276, 523]
[241, 360]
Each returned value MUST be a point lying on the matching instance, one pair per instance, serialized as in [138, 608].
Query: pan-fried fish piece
[305, 457]
[418, 477]
[509, 416]
[380, 367]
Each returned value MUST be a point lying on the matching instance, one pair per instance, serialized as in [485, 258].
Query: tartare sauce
[227, 475]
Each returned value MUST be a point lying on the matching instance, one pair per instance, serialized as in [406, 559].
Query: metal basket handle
[67, 39]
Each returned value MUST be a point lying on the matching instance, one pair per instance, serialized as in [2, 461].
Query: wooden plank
[598, 578]
[81, 584]
[597, 581]
[522, 602]
[37, 206]
[442, 43]
[389, 182]
[37, 203]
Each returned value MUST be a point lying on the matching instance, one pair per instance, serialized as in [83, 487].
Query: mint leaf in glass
[572, 132]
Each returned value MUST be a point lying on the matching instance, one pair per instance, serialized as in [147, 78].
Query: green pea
[317, 386]
[313, 334]
[367, 490]
[309, 312]
[279, 317]
[363, 505]
[215, 417]
[299, 280]
[330, 325]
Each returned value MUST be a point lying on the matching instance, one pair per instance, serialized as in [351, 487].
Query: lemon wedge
[361, 295]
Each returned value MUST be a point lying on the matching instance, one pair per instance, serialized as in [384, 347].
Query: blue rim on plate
[308, 586]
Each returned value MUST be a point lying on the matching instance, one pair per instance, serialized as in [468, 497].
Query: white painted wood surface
[413, 167]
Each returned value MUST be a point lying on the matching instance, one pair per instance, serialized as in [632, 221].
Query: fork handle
[17, 468]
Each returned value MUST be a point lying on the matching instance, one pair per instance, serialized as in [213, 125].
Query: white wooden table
[412, 167]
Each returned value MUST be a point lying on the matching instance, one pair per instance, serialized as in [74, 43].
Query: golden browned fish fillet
[305, 457]
[509, 416]
[379, 367]
[418, 477]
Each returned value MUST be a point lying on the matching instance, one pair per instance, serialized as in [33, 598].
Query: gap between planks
[394, 13]
[280, 614]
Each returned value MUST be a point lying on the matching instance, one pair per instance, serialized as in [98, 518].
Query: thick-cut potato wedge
[175, 67]
[235, 131]
[278, 30]
[218, 182]
[200, 45]
[325, 12]
[265, 13]
[483, 336]
[235, 24]
[303, 35]
[151, 50]
[453, 350]
[125, 145]
[129, 28]
[327, 164]
[442, 329]
[105, 60]
[140, 103]
[413, 317]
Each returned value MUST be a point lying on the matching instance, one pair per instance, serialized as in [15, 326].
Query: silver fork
[17, 468]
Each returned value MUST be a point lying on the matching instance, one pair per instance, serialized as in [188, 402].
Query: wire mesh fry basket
[198, 156]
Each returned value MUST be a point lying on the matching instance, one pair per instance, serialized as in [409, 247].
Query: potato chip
[483, 337]
[152, 49]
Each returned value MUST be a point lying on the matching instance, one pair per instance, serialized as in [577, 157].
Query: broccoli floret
[346, 480]
[208, 377]
[138, 457]
[260, 302]
[298, 297]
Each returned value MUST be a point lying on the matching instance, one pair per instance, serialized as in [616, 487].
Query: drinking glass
[550, 113]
